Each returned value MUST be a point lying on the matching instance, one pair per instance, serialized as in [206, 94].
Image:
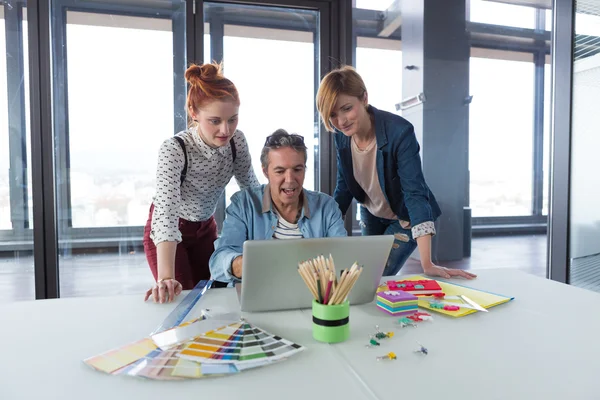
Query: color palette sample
[397, 302]
[238, 343]
[116, 359]
[227, 349]
[166, 365]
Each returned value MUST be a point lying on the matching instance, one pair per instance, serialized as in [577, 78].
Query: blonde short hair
[344, 80]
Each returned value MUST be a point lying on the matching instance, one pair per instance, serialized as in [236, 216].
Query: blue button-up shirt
[250, 216]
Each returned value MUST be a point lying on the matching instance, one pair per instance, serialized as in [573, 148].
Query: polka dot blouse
[209, 171]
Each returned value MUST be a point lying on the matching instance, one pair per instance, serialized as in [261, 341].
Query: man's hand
[435, 270]
[236, 267]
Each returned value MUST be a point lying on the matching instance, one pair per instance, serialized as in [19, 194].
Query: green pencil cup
[331, 324]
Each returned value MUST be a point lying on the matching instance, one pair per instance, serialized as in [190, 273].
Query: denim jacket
[250, 216]
[398, 168]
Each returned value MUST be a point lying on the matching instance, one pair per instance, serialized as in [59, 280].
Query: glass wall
[500, 13]
[280, 55]
[118, 91]
[256, 54]
[506, 139]
[115, 101]
[584, 229]
[16, 211]
[501, 133]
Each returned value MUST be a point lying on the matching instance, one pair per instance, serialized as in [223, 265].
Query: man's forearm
[236, 267]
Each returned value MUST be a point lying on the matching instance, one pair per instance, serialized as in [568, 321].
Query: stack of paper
[397, 302]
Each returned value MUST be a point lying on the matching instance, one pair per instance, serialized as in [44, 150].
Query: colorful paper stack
[397, 302]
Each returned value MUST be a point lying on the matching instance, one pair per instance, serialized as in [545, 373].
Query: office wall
[585, 161]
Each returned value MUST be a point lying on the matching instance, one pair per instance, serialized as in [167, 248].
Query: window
[379, 5]
[118, 93]
[496, 13]
[274, 71]
[16, 213]
[120, 111]
[501, 134]
[379, 62]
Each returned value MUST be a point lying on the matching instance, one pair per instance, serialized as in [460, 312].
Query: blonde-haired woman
[379, 165]
[193, 169]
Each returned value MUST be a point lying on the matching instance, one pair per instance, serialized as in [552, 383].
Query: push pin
[388, 356]
[373, 342]
[422, 349]
[382, 335]
[423, 316]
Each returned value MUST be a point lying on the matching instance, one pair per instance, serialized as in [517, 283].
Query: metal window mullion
[60, 106]
[42, 150]
[537, 198]
[560, 150]
[179, 20]
[539, 59]
[217, 33]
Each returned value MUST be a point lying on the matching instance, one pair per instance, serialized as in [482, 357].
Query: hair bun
[199, 74]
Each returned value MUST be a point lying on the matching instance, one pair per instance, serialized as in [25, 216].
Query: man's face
[285, 172]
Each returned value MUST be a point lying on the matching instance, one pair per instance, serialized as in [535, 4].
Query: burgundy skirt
[193, 252]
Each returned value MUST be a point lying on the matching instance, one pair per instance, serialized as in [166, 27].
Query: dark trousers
[192, 254]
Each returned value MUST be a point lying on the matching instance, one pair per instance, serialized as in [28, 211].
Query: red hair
[208, 84]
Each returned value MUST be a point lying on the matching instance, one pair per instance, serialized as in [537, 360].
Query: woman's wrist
[426, 265]
[165, 274]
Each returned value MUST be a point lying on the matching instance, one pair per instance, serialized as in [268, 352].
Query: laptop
[270, 278]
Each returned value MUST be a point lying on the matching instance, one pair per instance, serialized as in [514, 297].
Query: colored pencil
[328, 292]
[320, 277]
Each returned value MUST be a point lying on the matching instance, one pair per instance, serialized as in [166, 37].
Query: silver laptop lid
[270, 278]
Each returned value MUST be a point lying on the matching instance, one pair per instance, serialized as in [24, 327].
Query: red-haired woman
[193, 169]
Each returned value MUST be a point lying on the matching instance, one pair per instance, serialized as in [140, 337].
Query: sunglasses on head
[278, 138]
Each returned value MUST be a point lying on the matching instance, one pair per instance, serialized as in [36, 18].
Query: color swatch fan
[239, 343]
[227, 349]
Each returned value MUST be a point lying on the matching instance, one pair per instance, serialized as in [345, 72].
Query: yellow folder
[483, 298]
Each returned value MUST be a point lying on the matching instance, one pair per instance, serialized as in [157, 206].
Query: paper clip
[388, 356]
[422, 349]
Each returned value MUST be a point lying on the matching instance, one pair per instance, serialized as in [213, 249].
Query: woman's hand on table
[164, 290]
[436, 270]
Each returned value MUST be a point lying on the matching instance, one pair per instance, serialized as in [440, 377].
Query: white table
[543, 345]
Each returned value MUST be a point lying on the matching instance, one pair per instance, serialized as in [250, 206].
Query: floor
[128, 273]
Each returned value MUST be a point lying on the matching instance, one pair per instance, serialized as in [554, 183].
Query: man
[282, 209]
